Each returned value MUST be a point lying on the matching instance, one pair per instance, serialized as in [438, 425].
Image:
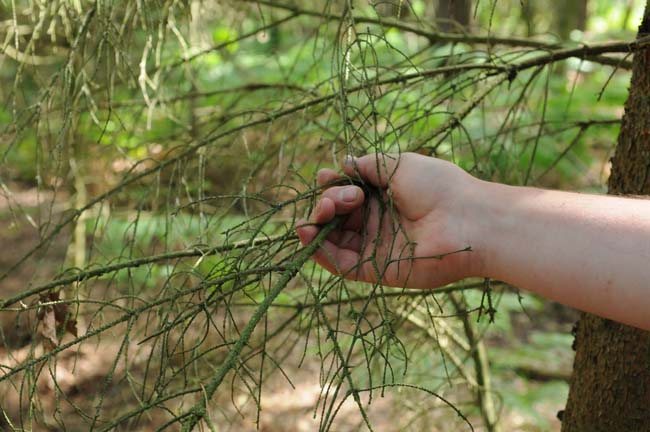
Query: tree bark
[394, 9]
[528, 14]
[571, 15]
[610, 386]
[453, 15]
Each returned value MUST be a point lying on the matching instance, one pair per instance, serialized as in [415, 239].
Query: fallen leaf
[48, 329]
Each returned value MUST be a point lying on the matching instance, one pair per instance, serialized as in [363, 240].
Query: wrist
[488, 218]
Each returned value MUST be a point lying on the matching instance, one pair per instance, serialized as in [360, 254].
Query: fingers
[375, 168]
[338, 261]
[324, 211]
[326, 175]
[341, 238]
[339, 254]
[306, 231]
[346, 239]
[345, 198]
[337, 200]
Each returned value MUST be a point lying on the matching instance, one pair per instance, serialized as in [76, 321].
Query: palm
[402, 252]
[409, 240]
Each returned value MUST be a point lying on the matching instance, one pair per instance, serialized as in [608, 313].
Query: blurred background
[155, 156]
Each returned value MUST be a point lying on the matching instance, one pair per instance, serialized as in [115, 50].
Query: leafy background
[155, 157]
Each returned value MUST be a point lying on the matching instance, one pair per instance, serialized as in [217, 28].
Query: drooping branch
[89, 274]
[136, 312]
[490, 69]
[198, 412]
[438, 37]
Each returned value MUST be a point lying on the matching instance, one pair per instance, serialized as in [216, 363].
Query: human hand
[413, 231]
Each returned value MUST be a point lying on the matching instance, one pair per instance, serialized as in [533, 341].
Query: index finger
[326, 175]
[376, 168]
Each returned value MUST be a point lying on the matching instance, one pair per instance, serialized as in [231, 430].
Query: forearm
[587, 251]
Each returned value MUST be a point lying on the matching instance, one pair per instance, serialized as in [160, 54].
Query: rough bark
[610, 386]
[453, 15]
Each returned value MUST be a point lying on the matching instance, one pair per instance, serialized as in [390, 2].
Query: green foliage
[177, 143]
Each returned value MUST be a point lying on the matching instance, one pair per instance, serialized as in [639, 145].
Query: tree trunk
[453, 15]
[528, 15]
[396, 9]
[571, 15]
[610, 386]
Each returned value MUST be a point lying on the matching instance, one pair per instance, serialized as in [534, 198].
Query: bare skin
[587, 251]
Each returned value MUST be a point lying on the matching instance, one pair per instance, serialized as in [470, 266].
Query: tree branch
[491, 69]
[196, 413]
[437, 37]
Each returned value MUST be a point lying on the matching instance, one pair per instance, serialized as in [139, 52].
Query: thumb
[377, 168]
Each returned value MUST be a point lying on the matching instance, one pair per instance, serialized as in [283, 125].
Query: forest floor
[530, 388]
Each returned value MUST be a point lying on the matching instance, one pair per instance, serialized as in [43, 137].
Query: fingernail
[349, 160]
[349, 194]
